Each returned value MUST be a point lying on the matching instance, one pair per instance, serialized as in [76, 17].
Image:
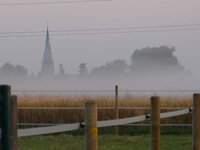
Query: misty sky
[93, 49]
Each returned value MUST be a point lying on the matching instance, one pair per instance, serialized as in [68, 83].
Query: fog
[161, 75]
[97, 49]
[143, 85]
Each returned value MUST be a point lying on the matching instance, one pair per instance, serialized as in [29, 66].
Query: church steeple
[47, 63]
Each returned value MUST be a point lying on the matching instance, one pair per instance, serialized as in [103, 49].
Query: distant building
[47, 62]
[61, 70]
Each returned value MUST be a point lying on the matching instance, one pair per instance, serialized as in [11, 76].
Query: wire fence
[131, 131]
[62, 124]
[144, 92]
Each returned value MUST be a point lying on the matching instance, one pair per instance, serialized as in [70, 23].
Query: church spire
[47, 63]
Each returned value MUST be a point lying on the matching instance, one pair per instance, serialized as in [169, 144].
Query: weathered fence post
[13, 121]
[155, 123]
[196, 122]
[91, 125]
[116, 108]
[5, 94]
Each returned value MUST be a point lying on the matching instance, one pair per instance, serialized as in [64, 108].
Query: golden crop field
[40, 115]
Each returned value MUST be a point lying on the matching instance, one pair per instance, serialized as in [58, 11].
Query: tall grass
[76, 115]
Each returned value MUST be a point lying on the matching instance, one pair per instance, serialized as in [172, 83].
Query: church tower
[47, 62]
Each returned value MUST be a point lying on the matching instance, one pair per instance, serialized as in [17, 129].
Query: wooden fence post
[13, 121]
[116, 108]
[91, 129]
[196, 122]
[155, 123]
[5, 94]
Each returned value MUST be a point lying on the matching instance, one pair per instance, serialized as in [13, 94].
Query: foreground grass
[106, 142]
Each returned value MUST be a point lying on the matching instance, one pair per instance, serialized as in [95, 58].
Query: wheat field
[27, 115]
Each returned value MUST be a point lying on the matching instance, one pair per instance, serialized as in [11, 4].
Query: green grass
[106, 142]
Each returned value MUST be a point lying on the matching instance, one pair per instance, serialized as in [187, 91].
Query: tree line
[145, 60]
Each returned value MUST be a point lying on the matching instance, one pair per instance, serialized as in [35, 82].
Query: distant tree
[83, 69]
[115, 67]
[10, 71]
[7, 69]
[21, 71]
[155, 59]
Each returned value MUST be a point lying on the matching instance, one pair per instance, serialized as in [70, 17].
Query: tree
[10, 71]
[115, 67]
[156, 59]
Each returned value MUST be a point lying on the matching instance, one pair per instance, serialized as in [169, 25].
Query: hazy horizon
[96, 50]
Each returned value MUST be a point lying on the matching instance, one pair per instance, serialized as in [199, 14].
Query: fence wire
[175, 131]
[122, 92]
[123, 137]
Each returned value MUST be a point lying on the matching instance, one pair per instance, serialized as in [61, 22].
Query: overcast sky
[94, 49]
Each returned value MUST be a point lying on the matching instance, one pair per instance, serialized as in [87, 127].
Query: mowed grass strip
[106, 142]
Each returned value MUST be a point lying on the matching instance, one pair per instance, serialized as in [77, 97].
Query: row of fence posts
[8, 121]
